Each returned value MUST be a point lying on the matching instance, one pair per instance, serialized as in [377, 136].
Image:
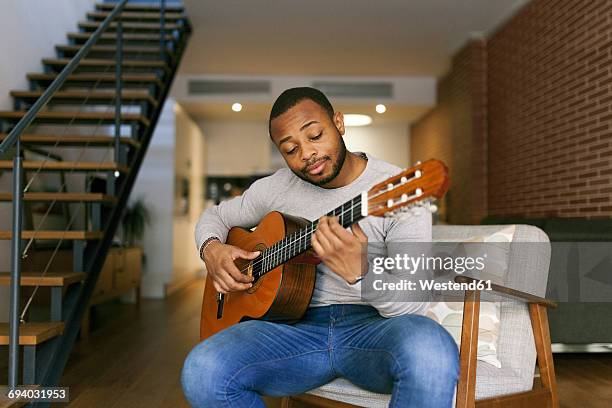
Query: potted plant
[130, 258]
[135, 218]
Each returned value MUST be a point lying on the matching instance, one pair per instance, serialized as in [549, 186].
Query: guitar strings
[291, 239]
[297, 236]
[302, 233]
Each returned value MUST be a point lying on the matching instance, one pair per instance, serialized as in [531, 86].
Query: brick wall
[549, 88]
[455, 132]
[542, 133]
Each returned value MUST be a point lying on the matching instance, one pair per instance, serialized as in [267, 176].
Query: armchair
[524, 336]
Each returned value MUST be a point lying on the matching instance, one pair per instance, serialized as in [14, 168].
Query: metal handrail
[59, 81]
[13, 138]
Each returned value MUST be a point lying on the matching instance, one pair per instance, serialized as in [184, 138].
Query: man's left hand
[342, 251]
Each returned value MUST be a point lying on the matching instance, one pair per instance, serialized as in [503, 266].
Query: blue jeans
[410, 356]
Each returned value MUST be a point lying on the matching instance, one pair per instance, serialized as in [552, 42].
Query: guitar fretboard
[294, 244]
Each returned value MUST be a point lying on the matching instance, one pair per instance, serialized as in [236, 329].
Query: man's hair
[292, 96]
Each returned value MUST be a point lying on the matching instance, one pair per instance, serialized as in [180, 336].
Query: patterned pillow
[450, 314]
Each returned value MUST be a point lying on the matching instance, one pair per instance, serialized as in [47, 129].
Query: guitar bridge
[220, 300]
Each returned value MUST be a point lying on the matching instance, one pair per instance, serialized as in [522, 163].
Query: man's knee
[204, 372]
[429, 349]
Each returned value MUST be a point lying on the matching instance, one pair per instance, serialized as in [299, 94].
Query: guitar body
[282, 295]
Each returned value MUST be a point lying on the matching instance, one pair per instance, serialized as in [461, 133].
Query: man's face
[310, 141]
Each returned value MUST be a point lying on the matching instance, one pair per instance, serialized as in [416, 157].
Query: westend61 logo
[412, 264]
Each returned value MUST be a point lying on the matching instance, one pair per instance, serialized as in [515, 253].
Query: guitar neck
[300, 241]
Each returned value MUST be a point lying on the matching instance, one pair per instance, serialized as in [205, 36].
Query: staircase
[101, 96]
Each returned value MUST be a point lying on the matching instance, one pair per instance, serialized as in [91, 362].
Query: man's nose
[308, 153]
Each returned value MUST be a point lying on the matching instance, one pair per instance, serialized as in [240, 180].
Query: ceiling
[260, 111]
[335, 37]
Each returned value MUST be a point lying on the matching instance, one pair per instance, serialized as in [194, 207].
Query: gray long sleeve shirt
[285, 192]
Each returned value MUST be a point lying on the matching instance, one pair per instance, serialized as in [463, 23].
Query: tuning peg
[433, 208]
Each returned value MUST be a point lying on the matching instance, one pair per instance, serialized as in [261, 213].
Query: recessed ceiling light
[380, 108]
[236, 107]
[353, 119]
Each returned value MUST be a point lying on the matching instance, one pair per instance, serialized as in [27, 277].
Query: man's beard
[336, 167]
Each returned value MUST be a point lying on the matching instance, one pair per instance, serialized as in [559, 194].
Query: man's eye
[317, 136]
[291, 151]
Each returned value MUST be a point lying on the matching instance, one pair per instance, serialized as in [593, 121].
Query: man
[382, 346]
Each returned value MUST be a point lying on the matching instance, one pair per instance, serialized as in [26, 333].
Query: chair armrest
[529, 298]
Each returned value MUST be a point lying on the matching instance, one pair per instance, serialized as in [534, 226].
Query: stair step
[77, 117]
[140, 7]
[76, 235]
[73, 140]
[63, 197]
[93, 96]
[92, 62]
[31, 334]
[97, 79]
[137, 16]
[129, 26]
[5, 402]
[127, 49]
[49, 279]
[126, 37]
[65, 166]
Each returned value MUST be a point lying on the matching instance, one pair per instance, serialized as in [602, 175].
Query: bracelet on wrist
[205, 244]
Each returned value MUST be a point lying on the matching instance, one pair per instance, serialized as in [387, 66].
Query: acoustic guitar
[284, 272]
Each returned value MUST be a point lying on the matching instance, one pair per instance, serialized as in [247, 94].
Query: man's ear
[339, 122]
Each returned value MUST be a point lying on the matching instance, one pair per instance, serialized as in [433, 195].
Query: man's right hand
[219, 259]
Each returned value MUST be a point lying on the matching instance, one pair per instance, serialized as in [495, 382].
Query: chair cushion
[450, 314]
[490, 381]
[343, 390]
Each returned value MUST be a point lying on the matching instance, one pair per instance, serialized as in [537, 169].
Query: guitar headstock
[419, 185]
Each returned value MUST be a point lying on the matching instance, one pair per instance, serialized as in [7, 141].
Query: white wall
[237, 148]
[155, 183]
[190, 159]
[169, 244]
[244, 148]
[386, 142]
[29, 31]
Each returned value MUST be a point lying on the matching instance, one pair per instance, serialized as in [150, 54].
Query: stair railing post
[15, 269]
[118, 89]
[162, 31]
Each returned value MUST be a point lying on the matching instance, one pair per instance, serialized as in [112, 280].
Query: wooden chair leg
[541, 334]
[466, 386]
